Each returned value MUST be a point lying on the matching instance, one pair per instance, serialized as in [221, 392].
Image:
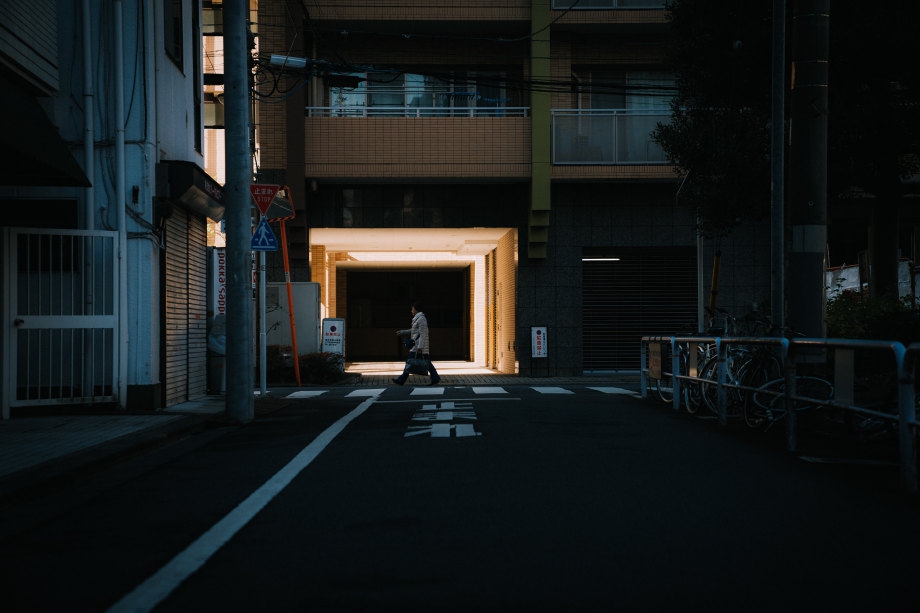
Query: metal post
[290, 296]
[239, 403]
[675, 373]
[722, 352]
[263, 353]
[791, 417]
[907, 413]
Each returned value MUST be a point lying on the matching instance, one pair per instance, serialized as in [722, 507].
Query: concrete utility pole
[777, 165]
[808, 168]
[240, 326]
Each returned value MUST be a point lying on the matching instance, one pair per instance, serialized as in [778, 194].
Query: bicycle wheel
[760, 369]
[810, 392]
[690, 387]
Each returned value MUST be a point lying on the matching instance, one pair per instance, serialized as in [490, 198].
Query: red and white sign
[263, 194]
[538, 342]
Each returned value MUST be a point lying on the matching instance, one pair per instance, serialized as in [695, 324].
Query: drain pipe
[89, 137]
[120, 183]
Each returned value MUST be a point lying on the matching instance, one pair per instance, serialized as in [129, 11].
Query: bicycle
[768, 402]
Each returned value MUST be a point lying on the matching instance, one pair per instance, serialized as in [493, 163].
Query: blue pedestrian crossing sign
[263, 239]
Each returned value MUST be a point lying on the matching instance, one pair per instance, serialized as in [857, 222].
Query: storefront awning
[35, 154]
[185, 184]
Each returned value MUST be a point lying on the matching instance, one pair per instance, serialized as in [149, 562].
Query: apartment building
[103, 240]
[494, 160]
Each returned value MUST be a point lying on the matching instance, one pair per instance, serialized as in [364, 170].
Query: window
[172, 31]
[640, 89]
[382, 93]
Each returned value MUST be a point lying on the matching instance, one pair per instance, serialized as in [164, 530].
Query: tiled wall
[418, 147]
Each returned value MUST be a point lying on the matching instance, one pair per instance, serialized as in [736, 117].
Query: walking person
[419, 348]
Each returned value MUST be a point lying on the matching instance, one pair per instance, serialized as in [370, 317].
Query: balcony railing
[561, 5]
[607, 136]
[417, 111]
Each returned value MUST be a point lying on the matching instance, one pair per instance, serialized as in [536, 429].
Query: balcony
[602, 15]
[587, 5]
[417, 111]
[419, 10]
[607, 136]
[417, 143]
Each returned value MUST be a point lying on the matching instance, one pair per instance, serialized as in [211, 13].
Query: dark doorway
[378, 302]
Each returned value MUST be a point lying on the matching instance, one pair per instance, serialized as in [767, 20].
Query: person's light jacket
[418, 333]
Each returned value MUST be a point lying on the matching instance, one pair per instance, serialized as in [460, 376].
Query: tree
[719, 134]
[719, 137]
[874, 129]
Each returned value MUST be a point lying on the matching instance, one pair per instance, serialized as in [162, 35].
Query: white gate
[60, 310]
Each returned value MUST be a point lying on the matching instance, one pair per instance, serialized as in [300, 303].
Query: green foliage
[321, 367]
[858, 315]
[719, 136]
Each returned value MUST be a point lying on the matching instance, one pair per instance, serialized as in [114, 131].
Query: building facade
[495, 161]
[105, 202]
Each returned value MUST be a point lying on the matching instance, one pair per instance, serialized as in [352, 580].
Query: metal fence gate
[61, 299]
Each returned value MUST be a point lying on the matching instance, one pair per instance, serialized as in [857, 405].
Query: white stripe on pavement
[159, 586]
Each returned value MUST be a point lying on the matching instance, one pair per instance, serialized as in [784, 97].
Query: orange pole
[287, 280]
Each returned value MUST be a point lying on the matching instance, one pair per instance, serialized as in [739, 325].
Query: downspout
[120, 203]
[89, 137]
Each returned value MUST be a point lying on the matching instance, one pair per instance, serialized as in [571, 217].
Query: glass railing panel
[607, 136]
[417, 111]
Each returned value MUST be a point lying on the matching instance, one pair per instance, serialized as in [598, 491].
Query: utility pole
[777, 166]
[240, 327]
[808, 169]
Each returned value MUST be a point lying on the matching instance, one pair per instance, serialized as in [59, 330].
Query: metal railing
[904, 360]
[607, 136]
[417, 111]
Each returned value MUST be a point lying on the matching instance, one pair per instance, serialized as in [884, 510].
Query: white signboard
[334, 335]
[538, 342]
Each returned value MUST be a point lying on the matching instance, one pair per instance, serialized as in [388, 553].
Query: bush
[321, 367]
[854, 314]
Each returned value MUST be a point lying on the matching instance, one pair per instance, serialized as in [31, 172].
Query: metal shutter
[186, 308]
[649, 290]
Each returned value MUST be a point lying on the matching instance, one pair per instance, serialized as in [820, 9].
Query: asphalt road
[471, 500]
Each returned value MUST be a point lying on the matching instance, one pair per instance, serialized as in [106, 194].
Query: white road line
[552, 390]
[159, 586]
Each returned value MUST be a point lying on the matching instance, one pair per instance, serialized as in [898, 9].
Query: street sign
[263, 194]
[263, 239]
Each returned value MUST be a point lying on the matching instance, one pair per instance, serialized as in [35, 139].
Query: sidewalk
[42, 448]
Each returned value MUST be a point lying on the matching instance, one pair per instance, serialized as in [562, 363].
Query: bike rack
[791, 353]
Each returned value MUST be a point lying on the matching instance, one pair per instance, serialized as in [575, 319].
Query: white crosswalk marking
[552, 390]
[367, 392]
[427, 391]
[306, 394]
[489, 390]
[614, 390]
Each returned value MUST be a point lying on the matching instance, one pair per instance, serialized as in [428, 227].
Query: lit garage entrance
[465, 277]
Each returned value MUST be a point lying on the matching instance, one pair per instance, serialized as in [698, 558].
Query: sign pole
[287, 280]
[263, 367]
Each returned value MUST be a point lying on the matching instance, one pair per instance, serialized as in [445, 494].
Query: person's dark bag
[409, 343]
[417, 366]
